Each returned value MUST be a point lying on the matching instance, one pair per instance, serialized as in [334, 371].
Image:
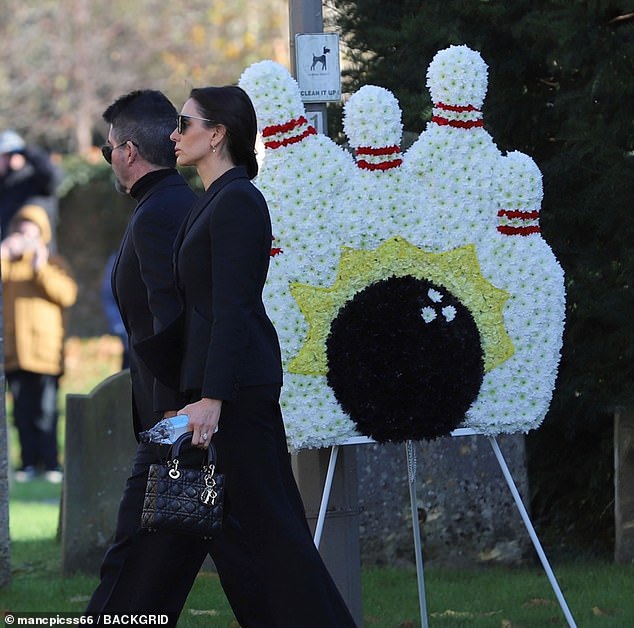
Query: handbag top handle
[175, 449]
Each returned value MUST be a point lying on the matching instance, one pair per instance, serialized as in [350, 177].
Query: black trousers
[35, 415]
[268, 565]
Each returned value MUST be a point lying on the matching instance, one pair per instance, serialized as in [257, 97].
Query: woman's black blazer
[221, 259]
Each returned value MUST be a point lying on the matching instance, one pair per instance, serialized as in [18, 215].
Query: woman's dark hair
[231, 106]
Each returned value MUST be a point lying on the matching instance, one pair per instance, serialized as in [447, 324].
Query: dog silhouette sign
[317, 63]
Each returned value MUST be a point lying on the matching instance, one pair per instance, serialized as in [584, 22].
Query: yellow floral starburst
[457, 270]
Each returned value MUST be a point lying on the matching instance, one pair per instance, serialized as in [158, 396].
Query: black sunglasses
[182, 121]
[106, 150]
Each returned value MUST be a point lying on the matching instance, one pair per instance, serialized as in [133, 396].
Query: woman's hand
[203, 419]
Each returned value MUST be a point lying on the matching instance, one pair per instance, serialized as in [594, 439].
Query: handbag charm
[183, 500]
[209, 495]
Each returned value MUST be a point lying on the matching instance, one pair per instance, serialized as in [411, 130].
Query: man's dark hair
[146, 117]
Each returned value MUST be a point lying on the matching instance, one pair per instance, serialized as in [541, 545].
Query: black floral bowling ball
[405, 360]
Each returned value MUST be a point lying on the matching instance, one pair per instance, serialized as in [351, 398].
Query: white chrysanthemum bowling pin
[515, 396]
[303, 177]
[303, 172]
[453, 160]
[372, 123]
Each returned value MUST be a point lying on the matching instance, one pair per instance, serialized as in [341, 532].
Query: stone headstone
[466, 511]
[99, 449]
[624, 485]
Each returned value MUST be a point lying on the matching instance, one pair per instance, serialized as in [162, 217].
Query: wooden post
[304, 16]
[624, 485]
[339, 545]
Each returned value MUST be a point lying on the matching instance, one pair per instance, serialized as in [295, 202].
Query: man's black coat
[144, 287]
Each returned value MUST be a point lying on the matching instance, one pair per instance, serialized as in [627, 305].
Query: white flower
[428, 314]
[362, 112]
[526, 189]
[449, 313]
[458, 76]
[447, 194]
[274, 93]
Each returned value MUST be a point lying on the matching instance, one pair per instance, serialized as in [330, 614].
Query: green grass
[599, 593]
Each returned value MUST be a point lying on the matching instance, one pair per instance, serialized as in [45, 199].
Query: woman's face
[194, 141]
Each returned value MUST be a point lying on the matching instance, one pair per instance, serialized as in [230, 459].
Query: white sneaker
[54, 476]
[26, 474]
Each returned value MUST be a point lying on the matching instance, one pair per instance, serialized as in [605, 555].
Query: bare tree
[64, 61]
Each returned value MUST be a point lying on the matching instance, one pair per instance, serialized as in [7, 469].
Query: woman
[231, 370]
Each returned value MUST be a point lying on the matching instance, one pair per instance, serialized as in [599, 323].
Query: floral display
[516, 395]
[370, 335]
[372, 123]
[452, 162]
[412, 293]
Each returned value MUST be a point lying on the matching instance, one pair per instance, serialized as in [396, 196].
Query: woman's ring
[204, 436]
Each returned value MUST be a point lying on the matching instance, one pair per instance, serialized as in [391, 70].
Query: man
[143, 161]
[152, 572]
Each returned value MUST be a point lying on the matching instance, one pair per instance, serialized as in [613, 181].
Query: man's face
[119, 163]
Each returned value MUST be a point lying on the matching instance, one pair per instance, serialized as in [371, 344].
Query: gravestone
[624, 485]
[99, 450]
[465, 509]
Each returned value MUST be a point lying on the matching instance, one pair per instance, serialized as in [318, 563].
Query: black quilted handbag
[186, 501]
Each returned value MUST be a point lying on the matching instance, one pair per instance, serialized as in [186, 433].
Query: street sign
[317, 63]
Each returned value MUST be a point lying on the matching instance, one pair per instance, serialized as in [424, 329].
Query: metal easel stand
[325, 496]
[411, 473]
[418, 550]
[531, 531]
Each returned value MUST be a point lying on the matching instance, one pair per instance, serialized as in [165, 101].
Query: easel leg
[531, 531]
[411, 473]
[325, 496]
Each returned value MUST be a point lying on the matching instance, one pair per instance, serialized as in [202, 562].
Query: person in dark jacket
[153, 572]
[27, 175]
[143, 162]
[231, 367]
[111, 310]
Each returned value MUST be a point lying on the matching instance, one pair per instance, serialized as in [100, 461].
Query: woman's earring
[213, 148]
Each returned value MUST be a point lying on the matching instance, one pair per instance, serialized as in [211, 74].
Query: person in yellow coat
[37, 288]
